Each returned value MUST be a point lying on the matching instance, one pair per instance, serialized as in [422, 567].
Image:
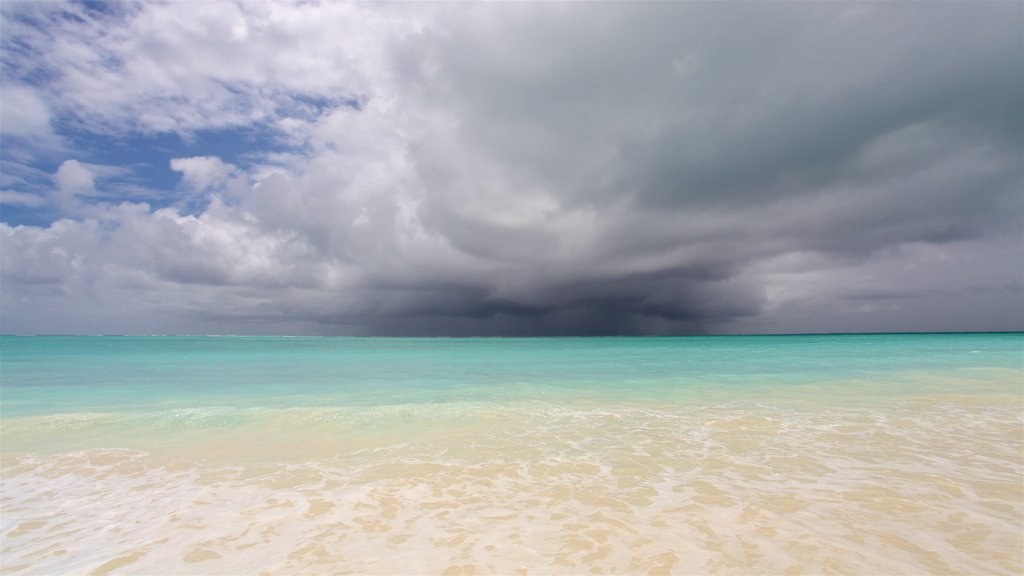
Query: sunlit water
[786, 454]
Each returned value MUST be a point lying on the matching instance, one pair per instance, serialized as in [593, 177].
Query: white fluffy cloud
[73, 180]
[24, 113]
[15, 198]
[183, 67]
[532, 168]
[25, 125]
[203, 173]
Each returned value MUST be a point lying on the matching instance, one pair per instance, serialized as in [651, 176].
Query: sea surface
[869, 454]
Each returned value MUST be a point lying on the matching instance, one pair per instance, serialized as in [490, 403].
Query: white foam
[699, 489]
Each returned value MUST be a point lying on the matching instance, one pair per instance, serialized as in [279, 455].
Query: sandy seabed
[929, 486]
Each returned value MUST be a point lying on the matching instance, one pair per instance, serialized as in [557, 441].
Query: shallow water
[812, 454]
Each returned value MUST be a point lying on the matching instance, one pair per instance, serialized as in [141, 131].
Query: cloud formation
[527, 168]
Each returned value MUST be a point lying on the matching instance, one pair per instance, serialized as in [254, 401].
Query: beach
[886, 453]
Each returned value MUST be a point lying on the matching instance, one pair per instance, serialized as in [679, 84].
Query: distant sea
[881, 453]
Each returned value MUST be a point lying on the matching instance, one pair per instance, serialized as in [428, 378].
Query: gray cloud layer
[543, 169]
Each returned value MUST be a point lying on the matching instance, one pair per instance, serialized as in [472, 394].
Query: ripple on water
[635, 490]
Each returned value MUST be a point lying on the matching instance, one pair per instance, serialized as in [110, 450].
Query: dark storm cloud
[842, 129]
[581, 168]
[737, 103]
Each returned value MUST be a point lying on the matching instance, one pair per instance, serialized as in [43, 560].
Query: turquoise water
[41, 375]
[878, 453]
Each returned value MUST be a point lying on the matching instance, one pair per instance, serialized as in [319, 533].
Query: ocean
[876, 453]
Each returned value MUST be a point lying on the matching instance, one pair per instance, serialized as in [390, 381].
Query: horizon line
[439, 336]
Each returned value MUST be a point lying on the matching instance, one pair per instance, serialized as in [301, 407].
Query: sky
[507, 169]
